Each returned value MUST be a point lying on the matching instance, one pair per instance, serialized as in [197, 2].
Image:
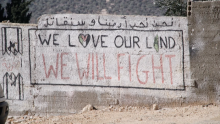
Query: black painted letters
[54, 39]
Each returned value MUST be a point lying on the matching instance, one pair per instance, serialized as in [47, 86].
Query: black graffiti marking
[122, 41]
[54, 39]
[15, 46]
[101, 21]
[47, 41]
[12, 45]
[162, 41]
[126, 42]
[102, 41]
[167, 42]
[174, 43]
[136, 41]
[13, 78]
[44, 41]
[21, 62]
[33, 81]
[147, 44]
[103, 86]
[95, 44]
[71, 44]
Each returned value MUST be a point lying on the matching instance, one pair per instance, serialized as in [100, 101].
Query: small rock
[19, 121]
[140, 119]
[155, 107]
[185, 110]
[207, 105]
[87, 108]
[120, 110]
[26, 113]
[10, 117]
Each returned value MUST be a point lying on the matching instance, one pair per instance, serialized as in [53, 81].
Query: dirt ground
[208, 114]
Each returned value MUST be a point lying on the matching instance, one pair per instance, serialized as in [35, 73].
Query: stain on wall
[204, 49]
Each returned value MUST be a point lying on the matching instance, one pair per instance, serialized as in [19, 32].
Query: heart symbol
[84, 39]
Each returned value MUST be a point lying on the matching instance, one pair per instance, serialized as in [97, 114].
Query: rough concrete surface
[204, 49]
[68, 61]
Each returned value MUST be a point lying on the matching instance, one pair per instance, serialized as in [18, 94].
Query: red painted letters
[51, 67]
[104, 68]
[129, 62]
[170, 64]
[85, 73]
[146, 72]
[62, 65]
[97, 68]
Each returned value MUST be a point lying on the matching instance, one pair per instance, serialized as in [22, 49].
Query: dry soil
[208, 114]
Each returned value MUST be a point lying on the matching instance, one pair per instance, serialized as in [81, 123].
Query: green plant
[173, 7]
[17, 11]
[2, 17]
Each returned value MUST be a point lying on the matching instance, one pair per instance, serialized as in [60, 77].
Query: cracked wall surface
[204, 49]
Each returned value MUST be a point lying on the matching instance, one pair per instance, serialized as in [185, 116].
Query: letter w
[51, 67]
[47, 41]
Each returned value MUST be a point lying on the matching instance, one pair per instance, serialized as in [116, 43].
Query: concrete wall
[15, 66]
[68, 61]
[204, 49]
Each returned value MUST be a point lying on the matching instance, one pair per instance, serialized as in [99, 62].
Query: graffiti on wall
[123, 22]
[12, 50]
[11, 45]
[13, 86]
[119, 54]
